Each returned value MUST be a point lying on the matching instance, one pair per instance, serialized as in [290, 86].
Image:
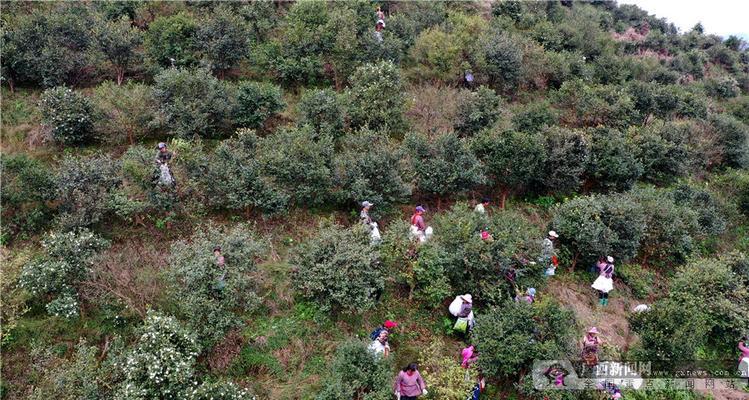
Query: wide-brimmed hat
[553, 234]
[161, 145]
[365, 203]
[467, 297]
[420, 209]
[532, 292]
[593, 330]
[610, 259]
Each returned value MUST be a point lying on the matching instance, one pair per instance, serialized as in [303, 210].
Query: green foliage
[662, 149]
[27, 187]
[733, 137]
[593, 105]
[443, 165]
[357, 373]
[459, 256]
[84, 188]
[479, 110]
[207, 294]
[446, 378]
[376, 98]
[242, 185]
[256, 102]
[297, 52]
[81, 378]
[710, 215]
[370, 167]
[534, 117]
[724, 87]
[162, 363]
[324, 110]
[172, 38]
[222, 38]
[298, 163]
[504, 60]
[50, 47]
[193, 103]
[513, 160]
[338, 269]
[56, 275]
[595, 226]
[119, 41]
[612, 163]
[567, 154]
[437, 56]
[69, 115]
[670, 229]
[641, 280]
[127, 112]
[512, 336]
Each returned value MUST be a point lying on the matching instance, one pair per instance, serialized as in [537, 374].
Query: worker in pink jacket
[409, 384]
[744, 359]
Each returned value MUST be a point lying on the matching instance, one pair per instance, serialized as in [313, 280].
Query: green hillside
[597, 121]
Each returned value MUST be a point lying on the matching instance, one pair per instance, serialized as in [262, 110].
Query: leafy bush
[567, 154]
[370, 167]
[514, 161]
[128, 112]
[119, 41]
[534, 117]
[171, 41]
[511, 337]
[242, 185]
[670, 229]
[256, 102]
[50, 46]
[456, 260]
[82, 377]
[208, 295]
[504, 60]
[222, 38]
[594, 226]
[376, 98]
[612, 163]
[443, 165]
[733, 136]
[69, 115]
[56, 275]
[356, 372]
[436, 55]
[641, 280]
[479, 110]
[722, 88]
[84, 189]
[338, 269]
[298, 163]
[594, 105]
[661, 148]
[447, 379]
[710, 216]
[193, 103]
[162, 363]
[27, 187]
[324, 110]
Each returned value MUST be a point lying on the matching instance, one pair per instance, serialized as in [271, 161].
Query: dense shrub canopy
[69, 115]
[193, 102]
[207, 293]
[339, 269]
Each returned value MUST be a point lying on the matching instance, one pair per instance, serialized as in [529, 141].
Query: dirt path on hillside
[610, 320]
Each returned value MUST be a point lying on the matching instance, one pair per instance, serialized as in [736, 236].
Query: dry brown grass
[433, 108]
[127, 273]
